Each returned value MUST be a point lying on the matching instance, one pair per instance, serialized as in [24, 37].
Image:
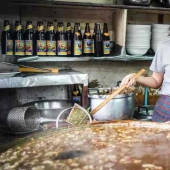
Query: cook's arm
[154, 81]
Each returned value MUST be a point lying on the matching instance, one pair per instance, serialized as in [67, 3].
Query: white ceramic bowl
[137, 50]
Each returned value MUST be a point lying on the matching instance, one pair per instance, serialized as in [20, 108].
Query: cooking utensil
[120, 107]
[115, 93]
[51, 108]
[22, 68]
[79, 115]
[25, 119]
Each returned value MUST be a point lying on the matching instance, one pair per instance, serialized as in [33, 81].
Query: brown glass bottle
[106, 40]
[69, 37]
[19, 46]
[61, 41]
[98, 44]
[6, 39]
[76, 95]
[58, 26]
[51, 40]
[41, 46]
[29, 39]
[79, 28]
[92, 41]
[77, 41]
[87, 49]
[47, 30]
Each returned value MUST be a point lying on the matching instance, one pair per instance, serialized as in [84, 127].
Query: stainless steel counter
[64, 77]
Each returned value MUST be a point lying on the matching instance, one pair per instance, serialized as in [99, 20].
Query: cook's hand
[128, 80]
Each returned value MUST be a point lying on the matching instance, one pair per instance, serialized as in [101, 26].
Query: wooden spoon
[115, 93]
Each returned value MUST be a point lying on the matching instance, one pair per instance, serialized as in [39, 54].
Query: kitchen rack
[58, 10]
[120, 58]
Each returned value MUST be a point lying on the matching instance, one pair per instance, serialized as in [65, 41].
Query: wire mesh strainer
[24, 119]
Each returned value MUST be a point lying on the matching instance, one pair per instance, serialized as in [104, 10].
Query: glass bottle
[69, 37]
[19, 46]
[92, 41]
[106, 40]
[61, 41]
[51, 40]
[76, 95]
[41, 46]
[77, 41]
[6, 39]
[29, 39]
[98, 41]
[87, 49]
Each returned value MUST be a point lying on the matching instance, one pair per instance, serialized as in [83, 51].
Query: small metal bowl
[51, 108]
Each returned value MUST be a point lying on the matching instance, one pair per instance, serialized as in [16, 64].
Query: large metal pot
[51, 108]
[120, 107]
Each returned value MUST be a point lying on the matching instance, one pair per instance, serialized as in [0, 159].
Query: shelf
[106, 58]
[84, 4]
[64, 77]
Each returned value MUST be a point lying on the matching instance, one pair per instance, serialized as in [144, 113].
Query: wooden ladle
[115, 93]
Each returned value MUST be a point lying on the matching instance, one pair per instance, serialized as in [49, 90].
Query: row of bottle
[50, 43]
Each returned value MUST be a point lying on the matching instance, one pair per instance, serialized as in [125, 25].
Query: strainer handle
[58, 117]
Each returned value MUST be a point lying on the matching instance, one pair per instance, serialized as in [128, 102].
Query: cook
[160, 78]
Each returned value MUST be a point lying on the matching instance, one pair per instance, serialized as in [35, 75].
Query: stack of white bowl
[138, 39]
[160, 34]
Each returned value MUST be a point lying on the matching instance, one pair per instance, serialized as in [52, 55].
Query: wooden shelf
[89, 5]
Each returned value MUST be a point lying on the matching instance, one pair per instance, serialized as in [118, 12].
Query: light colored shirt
[161, 64]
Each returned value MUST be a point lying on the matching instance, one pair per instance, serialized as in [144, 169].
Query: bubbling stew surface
[99, 147]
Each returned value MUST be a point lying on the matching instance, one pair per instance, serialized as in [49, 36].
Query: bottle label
[69, 28]
[62, 47]
[41, 47]
[106, 47]
[28, 47]
[9, 47]
[19, 27]
[60, 29]
[51, 47]
[77, 99]
[19, 47]
[87, 34]
[40, 28]
[92, 46]
[7, 28]
[51, 28]
[77, 47]
[106, 34]
[69, 47]
[29, 27]
[87, 46]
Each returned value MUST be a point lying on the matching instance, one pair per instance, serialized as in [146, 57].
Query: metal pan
[51, 108]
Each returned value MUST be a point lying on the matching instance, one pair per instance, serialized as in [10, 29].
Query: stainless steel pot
[120, 107]
[51, 108]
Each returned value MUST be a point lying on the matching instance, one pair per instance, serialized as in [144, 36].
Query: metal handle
[45, 120]
[58, 117]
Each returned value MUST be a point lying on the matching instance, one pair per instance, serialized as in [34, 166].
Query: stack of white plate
[160, 34]
[138, 39]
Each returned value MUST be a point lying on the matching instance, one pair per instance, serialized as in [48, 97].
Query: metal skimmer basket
[23, 119]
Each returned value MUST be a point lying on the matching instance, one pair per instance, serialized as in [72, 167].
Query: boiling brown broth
[100, 147]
